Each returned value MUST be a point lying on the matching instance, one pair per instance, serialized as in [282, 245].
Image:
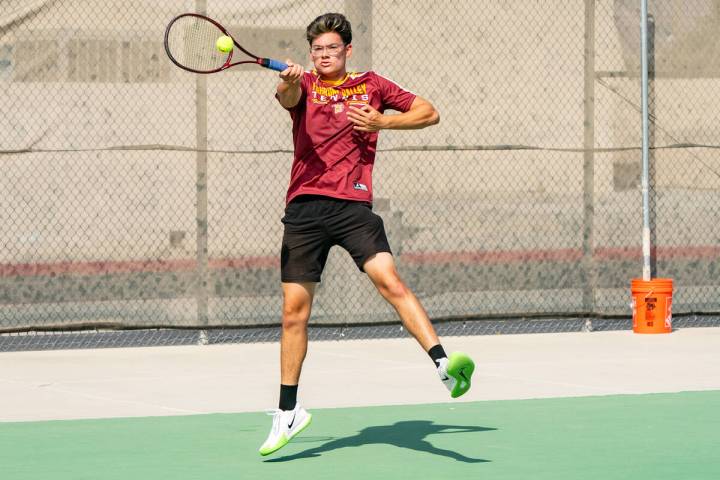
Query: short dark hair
[330, 22]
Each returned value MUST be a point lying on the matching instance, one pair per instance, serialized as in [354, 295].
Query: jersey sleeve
[393, 95]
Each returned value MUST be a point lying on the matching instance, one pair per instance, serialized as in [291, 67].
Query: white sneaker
[286, 424]
[456, 372]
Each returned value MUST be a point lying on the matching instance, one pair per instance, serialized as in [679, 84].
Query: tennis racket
[190, 43]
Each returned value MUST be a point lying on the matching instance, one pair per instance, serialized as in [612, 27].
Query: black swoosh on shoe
[293, 421]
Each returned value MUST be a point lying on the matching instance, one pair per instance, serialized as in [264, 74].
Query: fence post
[589, 160]
[201, 188]
[359, 13]
[652, 205]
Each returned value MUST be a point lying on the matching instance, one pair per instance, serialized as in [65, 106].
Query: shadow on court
[408, 434]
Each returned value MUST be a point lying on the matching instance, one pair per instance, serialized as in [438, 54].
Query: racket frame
[264, 62]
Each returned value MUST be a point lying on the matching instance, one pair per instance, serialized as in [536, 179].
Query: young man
[336, 116]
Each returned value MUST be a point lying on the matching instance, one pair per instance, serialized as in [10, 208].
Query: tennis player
[336, 118]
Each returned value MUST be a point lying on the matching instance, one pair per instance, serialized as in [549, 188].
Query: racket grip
[273, 64]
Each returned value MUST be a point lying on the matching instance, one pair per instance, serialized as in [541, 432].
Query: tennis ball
[224, 44]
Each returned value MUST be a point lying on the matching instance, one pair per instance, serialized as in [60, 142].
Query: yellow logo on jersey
[325, 95]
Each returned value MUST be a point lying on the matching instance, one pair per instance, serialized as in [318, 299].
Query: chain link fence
[137, 195]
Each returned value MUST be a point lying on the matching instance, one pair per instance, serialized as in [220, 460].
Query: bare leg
[381, 270]
[297, 303]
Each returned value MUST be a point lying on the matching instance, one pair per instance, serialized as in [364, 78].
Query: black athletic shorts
[315, 223]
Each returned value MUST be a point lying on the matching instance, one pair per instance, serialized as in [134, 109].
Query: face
[329, 54]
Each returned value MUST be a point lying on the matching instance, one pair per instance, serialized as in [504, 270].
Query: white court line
[128, 402]
[619, 391]
[50, 387]
[375, 359]
[131, 379]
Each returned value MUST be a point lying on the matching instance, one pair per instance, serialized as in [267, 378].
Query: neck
[335, 77]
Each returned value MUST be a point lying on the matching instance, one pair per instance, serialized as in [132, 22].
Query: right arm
[288, 90]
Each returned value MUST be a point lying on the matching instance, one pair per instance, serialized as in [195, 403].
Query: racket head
[190, 44]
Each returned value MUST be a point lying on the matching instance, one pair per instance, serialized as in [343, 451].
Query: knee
[295, 316]
[393, 288]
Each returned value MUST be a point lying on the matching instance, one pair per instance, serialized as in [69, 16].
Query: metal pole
[645, 140]
[360, 14]
[201, 188]
[652, 101]
[589, 160]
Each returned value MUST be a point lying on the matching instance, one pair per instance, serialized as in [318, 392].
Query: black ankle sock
[436, 353]
[288, 397]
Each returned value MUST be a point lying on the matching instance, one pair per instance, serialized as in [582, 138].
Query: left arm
[421, 114]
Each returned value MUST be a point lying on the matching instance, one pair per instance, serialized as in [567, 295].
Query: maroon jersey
[331, 158]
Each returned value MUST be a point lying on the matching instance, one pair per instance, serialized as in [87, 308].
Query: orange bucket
[652, 305]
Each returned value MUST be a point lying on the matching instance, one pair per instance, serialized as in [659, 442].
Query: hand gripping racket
[190, 43]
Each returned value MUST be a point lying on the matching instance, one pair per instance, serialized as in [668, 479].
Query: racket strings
[191, 41]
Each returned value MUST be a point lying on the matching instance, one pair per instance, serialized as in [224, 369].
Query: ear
[348, 50]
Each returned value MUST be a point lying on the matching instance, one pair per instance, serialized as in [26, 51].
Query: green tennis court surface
[656, 436]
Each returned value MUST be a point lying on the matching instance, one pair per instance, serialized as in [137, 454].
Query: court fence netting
[141, 204]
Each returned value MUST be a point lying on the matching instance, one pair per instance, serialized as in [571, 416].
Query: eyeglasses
[332, 49]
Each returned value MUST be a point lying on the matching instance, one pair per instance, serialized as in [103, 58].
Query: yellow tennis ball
[224, 44]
